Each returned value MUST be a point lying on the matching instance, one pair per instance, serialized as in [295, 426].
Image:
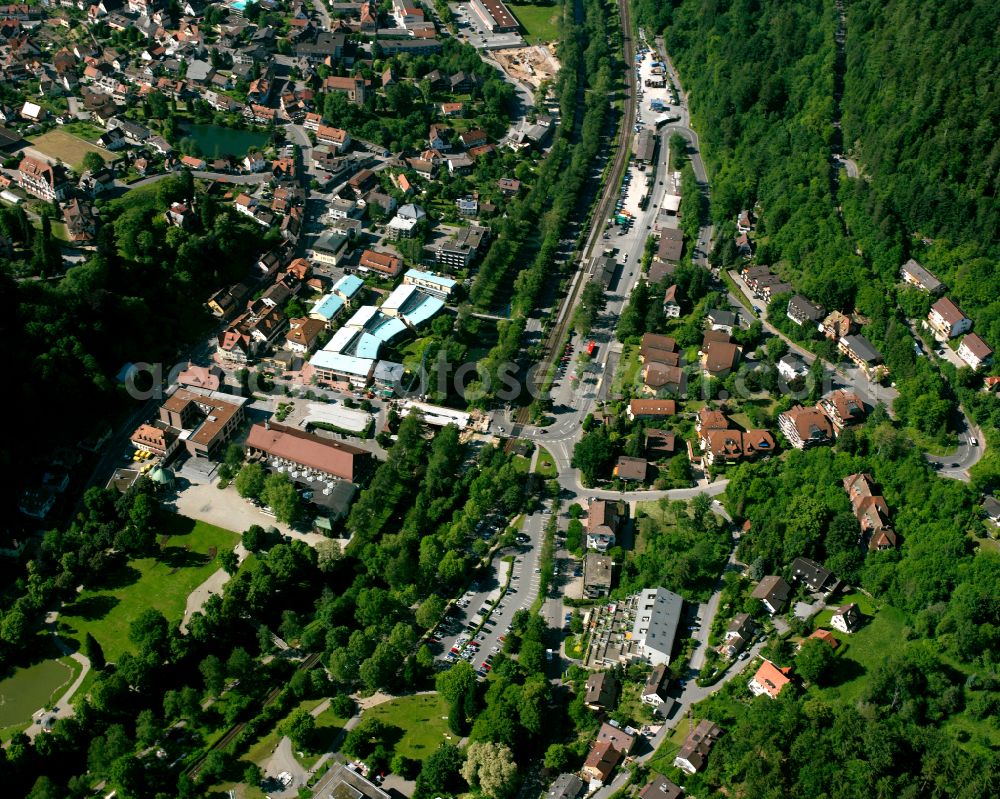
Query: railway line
[603, 210]
[236, 729]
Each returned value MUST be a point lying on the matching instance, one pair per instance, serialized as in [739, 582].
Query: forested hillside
[915, 715]
[922, 117]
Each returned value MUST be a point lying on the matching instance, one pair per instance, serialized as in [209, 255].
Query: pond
[30, 689]
[216, 141]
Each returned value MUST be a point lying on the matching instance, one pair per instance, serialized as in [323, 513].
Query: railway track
[604, 206]
[236, 729]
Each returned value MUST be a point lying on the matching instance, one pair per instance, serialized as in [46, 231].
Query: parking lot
[471, 29]
[486, 600]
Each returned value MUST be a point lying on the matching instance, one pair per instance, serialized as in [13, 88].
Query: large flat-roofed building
[293, 447]
[343, 782]
[207, 419]
[435, 285]
[657, 616]
[495, 16]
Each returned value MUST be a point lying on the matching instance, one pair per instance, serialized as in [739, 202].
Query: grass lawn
[163, 582]
[423, 719]
[540, 22]
[59, 231]
[663, 760]
[628, 370]
[546, 464]
[864, 649]
[68, 148]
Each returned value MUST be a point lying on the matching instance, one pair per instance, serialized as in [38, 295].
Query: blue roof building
[348, 286]
[327, 308]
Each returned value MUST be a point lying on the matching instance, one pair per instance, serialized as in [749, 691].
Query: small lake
[30, 689]
[216, 141]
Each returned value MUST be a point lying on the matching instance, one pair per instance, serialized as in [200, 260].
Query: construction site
[530, 65]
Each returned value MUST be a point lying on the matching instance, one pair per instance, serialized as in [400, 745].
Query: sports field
[541, 23]
[70, 149]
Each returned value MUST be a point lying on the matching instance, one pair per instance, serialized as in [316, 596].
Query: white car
[974, 442]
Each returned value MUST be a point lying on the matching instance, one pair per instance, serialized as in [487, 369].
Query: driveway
[213, 585]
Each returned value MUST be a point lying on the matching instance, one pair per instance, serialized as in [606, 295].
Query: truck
[665, 119]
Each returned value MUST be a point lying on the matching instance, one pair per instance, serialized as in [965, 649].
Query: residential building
[660, 444]
[208, 418]
[710, 419]
[303, 334]
[847, 619]
[657, 617]
[566, 786]
[975, 352]
[721, 319]
[382, 262]
[696, 747]
[601, 691]
[745, 222]
[801, 310]
[817, 577]
[81, 221]
[826, 637]
[843, 408]
[671, 302]
[792, 367]
[289, 446]
[947, 319]
[597, 574]
[769, 680]
[860, 350]
[732, 446]
[719, 358]
[651, 408]
[659, 787]
[42, 179]
[991, 507]
[601, 760]
[773, 593]
[837, 326]
[604, 521]
[871, 511]
[663, 377]
[225, 302]
[739, 633]
[805, 427]
[653, 346]
[654, 692]
[631, 469]
[913, 273]
[621, 738]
